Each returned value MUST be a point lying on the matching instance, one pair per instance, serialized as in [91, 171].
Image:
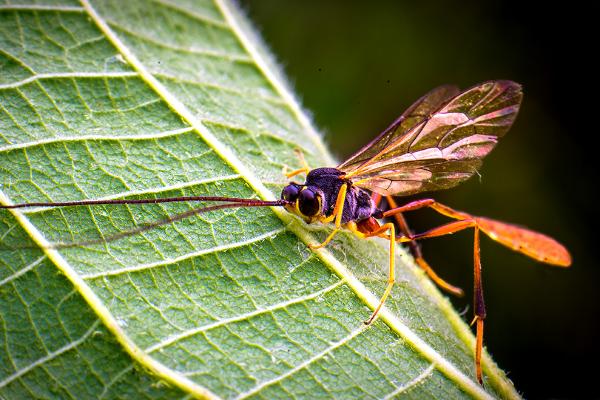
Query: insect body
[316, 198]
[437, 143]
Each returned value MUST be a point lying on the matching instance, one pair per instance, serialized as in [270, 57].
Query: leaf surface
[109, 99]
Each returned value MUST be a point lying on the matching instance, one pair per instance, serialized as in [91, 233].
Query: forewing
[445, 148]
[415, 114]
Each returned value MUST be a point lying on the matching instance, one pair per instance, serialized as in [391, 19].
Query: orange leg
[304, 170]
[338, 212]
[533, 244]
[480, 312]
[415, 249]
[478, 300]
[392, 265]
[297, 172]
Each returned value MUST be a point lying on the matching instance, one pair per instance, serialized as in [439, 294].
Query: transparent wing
[415, 114]
[438, 150]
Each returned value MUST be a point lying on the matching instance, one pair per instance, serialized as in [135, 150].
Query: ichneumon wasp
[437, 143]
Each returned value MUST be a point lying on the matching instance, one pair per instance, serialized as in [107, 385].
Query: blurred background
[358, 65]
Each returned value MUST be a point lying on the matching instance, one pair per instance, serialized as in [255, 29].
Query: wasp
[437, 143]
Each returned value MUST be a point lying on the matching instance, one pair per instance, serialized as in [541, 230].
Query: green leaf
[108, 99]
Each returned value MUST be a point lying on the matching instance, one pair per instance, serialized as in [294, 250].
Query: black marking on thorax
[328, 181]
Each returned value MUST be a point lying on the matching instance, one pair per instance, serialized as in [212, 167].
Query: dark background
[357, 66]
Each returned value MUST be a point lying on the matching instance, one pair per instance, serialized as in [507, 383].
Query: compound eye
[290, 192]
[309, 203]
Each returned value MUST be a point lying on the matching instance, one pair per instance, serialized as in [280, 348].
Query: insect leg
[478, 300]
[338, 211]
[305, 168]
[415, 250]
[392, 266]
[533, 244]
[446, 229]
[413, 205]
[479, 304]
[296, 172]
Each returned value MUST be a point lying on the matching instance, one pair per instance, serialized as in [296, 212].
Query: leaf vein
[49, 356]
[412, 383]
[187, 50]
[68, 75]
[31, 107]
[212, 250]
[227, 89]
[267, 68]
[303, 365]
[150, 304]
[194, 15]
[58, 383]
[242, 317]
[17, 60]
[245, 130]
[62, 139]
[114, 380]
[40, 7]
[234, 279]
[22, 271]
[14, 121]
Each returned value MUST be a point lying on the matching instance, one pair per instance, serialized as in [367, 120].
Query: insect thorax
[328, 181]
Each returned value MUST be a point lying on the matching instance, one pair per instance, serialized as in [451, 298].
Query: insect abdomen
[363, 206]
